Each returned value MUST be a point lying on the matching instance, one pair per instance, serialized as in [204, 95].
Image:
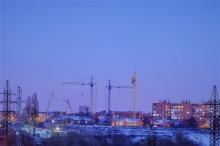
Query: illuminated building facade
[181, 111]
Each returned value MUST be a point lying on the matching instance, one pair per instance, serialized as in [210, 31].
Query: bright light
[57, 129]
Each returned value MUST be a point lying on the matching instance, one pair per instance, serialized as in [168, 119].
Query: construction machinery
[91, 84]
[49, 102]
[133, 80]
[110, 87]
[67, 101]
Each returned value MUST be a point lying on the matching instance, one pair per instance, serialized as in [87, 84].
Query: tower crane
[91, 84]
[67, 101]
[49, 102]
[133, 80]
[110, 87]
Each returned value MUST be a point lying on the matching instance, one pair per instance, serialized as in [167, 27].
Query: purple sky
[173, 46]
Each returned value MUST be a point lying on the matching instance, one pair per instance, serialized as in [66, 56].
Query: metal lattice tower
[91, 84]
[6, 102]
[92, 95]
[19, 103]
[214, 105]
[134, 92]
[110, 87]
[109, 96]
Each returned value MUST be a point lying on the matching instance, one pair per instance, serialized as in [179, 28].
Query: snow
[136, 133]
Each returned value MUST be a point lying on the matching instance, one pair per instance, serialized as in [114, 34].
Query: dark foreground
[73, 139]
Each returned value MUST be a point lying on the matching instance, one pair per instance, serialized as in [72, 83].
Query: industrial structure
[206, 114]
[91, 84]
[110, 86]
[6, 104]
[49, 102]
[214, 106]
[134, 92]
[19, 102]
[67, 101]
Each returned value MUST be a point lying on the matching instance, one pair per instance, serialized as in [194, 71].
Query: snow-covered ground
[198, 135]
[136, 133]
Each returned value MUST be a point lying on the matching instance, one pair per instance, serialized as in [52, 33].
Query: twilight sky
[173, 45]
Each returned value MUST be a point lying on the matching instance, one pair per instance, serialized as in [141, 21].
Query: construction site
[24, 124]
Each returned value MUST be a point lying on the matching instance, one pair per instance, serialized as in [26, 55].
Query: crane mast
[49, 102]
[91, 84]
[109, 96]
[110, 87]
[134, 92]
[91, 95]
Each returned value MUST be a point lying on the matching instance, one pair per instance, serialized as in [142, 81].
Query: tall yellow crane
[133, 80]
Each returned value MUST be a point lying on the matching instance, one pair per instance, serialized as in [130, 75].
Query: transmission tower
[19, 103]
[6, 102]
[214, 105]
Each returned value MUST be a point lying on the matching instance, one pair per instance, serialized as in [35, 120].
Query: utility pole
[214, 105]
[91, 84]
[110, 87]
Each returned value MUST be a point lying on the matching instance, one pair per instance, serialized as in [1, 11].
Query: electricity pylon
[214, 105]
